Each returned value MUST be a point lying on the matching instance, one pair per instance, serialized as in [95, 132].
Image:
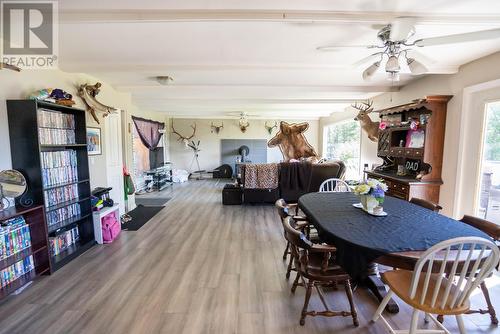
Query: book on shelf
[59, 167]
[14, 237]
[56, 216]
[61, 242]
[18, 269]
[60, 195]
[55, 128]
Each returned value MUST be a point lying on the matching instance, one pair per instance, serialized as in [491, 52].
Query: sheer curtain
[148, 131]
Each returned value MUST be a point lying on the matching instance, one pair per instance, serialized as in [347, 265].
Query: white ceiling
[255, 56]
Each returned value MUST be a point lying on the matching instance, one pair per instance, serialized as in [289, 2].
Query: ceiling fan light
[370, 71]
[392, 64]
[393, 76]
[416, 67]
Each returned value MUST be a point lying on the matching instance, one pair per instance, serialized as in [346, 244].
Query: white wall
[210, 142]
[468, 117]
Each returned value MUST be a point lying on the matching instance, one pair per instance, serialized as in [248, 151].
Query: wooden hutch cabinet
[411, 146]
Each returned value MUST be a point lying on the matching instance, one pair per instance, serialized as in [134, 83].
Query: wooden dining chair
[493, 230]
[427, 288]
[300, 223]
[334, 185]
[316, 267]
[426, 204]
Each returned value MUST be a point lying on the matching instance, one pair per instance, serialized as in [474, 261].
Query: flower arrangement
[371, 193]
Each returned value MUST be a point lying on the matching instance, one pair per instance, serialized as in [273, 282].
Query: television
[156, 158]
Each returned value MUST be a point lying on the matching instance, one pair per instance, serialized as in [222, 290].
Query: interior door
[114, 159]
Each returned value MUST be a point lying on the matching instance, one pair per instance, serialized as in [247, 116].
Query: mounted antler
[216, 128]
[181, 137]
[370, 127]
[270, 128]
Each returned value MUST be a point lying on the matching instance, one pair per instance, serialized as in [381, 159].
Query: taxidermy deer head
[216, 128]
[369, 126]
[271, 128]
[182, 138]
[88, 94]
[243, 123]
[292, 142]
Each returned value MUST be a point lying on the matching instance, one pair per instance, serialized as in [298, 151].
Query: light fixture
[415, 66]
[393, 76]
[164, 79]
[370, 71]
[392, 64]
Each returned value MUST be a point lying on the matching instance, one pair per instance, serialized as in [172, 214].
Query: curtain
[148, 131]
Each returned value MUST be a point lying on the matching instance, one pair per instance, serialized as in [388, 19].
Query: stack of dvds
[14, 236]
[63, 241]
[55, 128]
[60, 195]
[57, 216]
[18, 269]
[59, 167]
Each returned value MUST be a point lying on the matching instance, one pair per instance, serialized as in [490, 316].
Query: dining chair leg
[310, 285]
[354, 314]
[414, 321]
[382, 305]
[491, 309]
[295, 282]
[460, 322]
[287, 251]
[289, 268]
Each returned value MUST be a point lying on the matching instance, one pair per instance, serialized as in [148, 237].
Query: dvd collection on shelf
[60, 195]
[18, 269]
[55, 128]
[56, 216]
[59, 167]
[61, 242]
[14, 237]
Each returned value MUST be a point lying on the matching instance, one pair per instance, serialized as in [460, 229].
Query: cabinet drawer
[399, 187]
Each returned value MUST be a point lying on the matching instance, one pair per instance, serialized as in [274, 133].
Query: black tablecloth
[360, 238]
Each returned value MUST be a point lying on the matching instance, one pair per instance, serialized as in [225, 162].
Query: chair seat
[313, 270]
[400, 281]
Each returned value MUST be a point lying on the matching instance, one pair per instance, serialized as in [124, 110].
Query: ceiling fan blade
[459, 38]
[367, 59]
[338, 47]
[402, 28]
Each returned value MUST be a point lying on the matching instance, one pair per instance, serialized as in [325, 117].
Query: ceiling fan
[9, 67]
[396, 44]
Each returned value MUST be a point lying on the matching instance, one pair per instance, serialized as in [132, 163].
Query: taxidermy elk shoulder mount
[216, 128]
[182, 138]
[270, 128]
[370, 127]
[292, 142]
[88, 94]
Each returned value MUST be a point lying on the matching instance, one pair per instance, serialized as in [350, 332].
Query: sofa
[294, 180]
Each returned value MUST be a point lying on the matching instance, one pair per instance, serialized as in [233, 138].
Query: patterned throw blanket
[261, 176]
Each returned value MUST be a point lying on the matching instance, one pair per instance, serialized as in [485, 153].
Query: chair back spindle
[334, 185]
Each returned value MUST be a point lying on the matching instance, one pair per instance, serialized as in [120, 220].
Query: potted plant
[371, 194]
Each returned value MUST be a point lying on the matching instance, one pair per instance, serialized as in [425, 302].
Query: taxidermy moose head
[216, 128]
[369, 126]
[270, 128]
[182, 138]
[292, 142]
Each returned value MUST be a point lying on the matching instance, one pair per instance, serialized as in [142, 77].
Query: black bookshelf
[26, 152]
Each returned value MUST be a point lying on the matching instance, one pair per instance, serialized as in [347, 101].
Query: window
[342, 141]
[488, 205]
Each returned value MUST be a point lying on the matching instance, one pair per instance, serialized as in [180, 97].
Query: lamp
[370, 71]
[415, 66]
[392, 64]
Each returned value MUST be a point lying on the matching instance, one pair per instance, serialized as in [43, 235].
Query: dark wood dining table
[363, 241]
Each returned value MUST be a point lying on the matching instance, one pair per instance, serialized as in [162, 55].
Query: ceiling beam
[175, 15]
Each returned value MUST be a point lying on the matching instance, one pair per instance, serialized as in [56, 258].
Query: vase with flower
[371, 194]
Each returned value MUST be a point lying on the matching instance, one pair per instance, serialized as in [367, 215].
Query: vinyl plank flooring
[196, 267]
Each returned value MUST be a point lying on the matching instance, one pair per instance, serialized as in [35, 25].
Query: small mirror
[12, 183]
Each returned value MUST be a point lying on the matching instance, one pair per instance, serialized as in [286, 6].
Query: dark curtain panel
[148, 131]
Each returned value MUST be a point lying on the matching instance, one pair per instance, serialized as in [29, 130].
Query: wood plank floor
[196, 267]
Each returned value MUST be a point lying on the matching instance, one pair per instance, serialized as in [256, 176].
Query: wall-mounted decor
[94, 141]
[370, 127]
[9, 67]
[292, 142]
[271, 128]
[183, 138]
[88, 94]
[243, 122]
[216, 128]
